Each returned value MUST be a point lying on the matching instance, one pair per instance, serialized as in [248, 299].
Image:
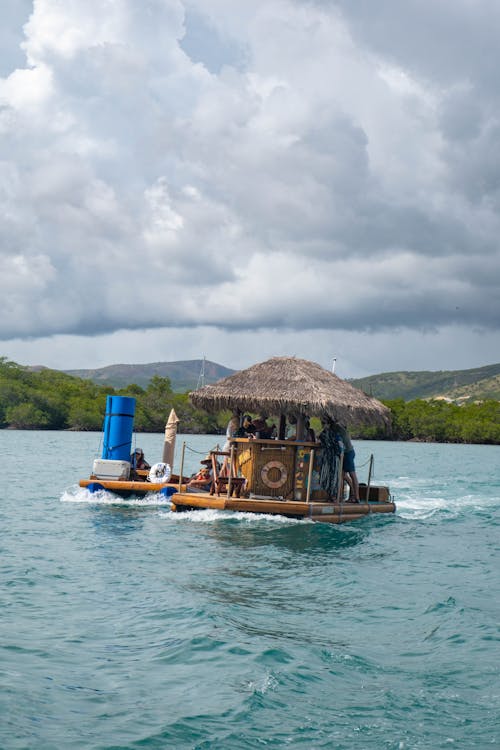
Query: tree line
[53, 400]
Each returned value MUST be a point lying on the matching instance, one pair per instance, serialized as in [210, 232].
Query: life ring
[159, 473]
[276, 484]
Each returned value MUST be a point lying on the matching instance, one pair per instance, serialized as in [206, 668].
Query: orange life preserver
[278, 482]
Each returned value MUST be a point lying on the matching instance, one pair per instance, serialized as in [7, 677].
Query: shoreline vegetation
[53, 400]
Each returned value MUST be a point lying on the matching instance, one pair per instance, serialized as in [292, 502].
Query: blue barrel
[118, 428]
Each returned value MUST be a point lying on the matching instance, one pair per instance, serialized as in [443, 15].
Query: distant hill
[458, 385]
[184, 375]
[477, 384]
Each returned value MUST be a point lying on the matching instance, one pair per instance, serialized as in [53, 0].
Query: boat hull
[323, 512]
[129, 488]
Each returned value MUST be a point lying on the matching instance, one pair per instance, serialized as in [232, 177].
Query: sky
[189, 178]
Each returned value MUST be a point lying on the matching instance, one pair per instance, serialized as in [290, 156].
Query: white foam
[267, 682]
[209, 515]
[423, 506]
[78, 494]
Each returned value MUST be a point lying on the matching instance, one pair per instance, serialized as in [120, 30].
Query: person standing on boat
[310, 435]
[291, 429]
[337, 446]
[231, 432]
[262, 429]
[348, 466]
[291, 433]
[248, 427]
[232, 428]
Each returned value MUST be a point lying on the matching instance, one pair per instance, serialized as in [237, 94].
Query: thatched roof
[287, 385]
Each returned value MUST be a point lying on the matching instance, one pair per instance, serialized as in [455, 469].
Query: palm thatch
[287, 385]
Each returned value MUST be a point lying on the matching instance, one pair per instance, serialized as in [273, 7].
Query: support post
[230, 477]
[181, 472]
[309, 475]
[301, 427]
[370, 467]
[340, 489]
[282, 427]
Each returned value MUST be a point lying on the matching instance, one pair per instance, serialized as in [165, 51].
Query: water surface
[127, 626]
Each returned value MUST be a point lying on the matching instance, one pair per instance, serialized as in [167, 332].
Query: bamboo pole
[340, 489]
[181, 472]
[230, 477]
[369, 481]
[301, 427]
[370, 467]
[282, 427]
[309, 475]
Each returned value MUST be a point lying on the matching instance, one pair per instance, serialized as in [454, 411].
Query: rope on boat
[200, 453]
[360, 466]
[329, 460]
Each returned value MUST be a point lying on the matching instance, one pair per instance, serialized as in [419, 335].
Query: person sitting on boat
[138, 460]
[262, 429]
[202, 480]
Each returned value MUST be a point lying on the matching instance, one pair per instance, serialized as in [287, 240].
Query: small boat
[115, 471]
[262, 475]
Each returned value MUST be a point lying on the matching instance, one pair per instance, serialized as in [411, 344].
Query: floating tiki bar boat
[299, 478]
[278, 476]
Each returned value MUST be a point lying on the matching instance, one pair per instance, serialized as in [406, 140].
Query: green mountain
[477, 384]
[184, 376]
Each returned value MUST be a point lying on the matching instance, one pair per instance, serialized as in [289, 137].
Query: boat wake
[211, 515]
[424, 498]
[78, 494]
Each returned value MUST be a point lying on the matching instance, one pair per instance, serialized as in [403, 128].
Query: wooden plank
[199, 500]
[316, 511]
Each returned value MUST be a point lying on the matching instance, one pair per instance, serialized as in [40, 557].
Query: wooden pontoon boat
[280, 477]
[285, 476]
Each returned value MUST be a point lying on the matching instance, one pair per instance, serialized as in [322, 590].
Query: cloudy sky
[319, 178]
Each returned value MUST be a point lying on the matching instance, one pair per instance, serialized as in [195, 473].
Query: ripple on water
[126, 625]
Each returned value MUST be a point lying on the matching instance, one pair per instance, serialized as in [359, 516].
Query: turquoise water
[126, 626]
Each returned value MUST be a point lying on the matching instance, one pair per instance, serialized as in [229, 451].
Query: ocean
[126, 626]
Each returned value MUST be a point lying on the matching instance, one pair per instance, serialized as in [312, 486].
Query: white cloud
[284, 167]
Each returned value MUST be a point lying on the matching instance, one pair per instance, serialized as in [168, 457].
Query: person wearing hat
[138, 461]
[202, 480]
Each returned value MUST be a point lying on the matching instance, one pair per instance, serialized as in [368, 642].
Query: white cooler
[104, 468]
